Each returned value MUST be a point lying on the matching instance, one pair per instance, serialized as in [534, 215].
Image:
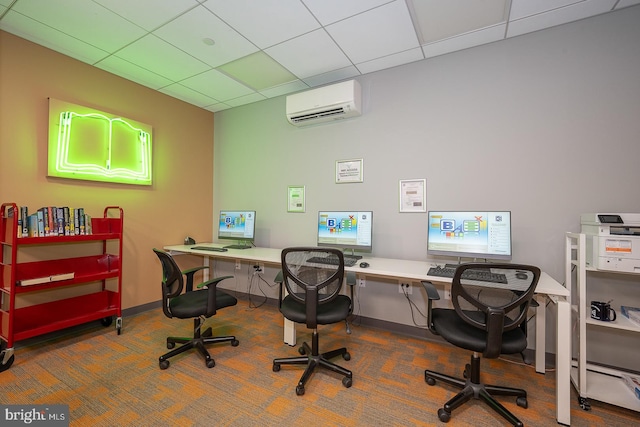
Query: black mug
[602, 311]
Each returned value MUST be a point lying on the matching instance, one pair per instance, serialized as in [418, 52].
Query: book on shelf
[47, 279]
[53, 221]
[24, 216]
[631, 313]
[632, 382]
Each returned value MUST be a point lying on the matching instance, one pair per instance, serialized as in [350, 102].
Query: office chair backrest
[172, 280]
[309, 282]
[482, 301]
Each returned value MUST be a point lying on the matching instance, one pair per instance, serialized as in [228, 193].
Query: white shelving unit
[590, 380]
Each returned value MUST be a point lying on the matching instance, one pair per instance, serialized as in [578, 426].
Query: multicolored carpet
[114, 380]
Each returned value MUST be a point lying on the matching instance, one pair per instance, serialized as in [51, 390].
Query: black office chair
[198, 305]
[314, 299]
[487, 319]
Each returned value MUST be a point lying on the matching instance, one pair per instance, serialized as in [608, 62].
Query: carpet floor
[114, 380]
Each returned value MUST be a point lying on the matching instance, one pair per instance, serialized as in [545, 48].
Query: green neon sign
[92, 145]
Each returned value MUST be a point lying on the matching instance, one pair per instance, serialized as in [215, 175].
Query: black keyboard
[349, 260]
[481, 275]
[208, 248]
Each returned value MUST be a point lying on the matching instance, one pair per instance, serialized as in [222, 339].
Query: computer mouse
[521, 275]
[364, 264]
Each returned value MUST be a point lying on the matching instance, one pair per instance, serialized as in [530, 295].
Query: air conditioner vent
[334, 102]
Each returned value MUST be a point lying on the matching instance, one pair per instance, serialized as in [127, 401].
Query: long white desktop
[416, 271]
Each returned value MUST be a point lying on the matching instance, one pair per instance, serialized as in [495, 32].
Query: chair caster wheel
[443, 415]
[522, 402]
[430, 380]
[346, 356]
[276, 368]
[301, 351]
[347, 382]
[211, 363]
[171, 345]
[465, 373]
[164, 364]
[299, 390]
[235, 343]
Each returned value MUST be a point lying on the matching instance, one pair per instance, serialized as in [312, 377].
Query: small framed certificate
[413, 194]
[349, 171]
[295, 198]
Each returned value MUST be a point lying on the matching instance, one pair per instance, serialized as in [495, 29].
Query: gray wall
[546, 125]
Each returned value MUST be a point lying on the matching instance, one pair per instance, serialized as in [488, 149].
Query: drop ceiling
[219, 54]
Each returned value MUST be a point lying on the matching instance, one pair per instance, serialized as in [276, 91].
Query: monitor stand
[241, 245]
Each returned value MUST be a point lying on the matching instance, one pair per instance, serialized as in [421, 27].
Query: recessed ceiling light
[208, 41]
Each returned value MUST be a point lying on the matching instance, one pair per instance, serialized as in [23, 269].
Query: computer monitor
[346, 230]
[237, 225]
[470, 234]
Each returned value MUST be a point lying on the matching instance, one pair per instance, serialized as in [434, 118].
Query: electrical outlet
[405, 287]
[261, 266]
[238, 264]
[447, 293]
[361, 282]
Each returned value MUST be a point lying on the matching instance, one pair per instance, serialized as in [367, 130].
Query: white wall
[546, 125]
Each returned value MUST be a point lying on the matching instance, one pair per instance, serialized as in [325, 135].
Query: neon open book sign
[88, 144]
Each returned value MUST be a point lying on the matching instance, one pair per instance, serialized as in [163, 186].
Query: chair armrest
[211, 293]
[278, 279]
[213, 282]
[189, 273]
[432, 294]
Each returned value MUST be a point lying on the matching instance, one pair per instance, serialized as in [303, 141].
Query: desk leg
[563, 361]
[541, 333]
[289, 332]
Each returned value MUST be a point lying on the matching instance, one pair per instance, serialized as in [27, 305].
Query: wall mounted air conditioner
[327, 103]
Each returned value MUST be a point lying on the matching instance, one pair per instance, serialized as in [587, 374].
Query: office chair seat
[194, 304]
[327, 314]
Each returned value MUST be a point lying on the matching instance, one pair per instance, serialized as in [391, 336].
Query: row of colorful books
[53, 221]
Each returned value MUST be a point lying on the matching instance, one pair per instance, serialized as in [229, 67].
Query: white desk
[416, 271]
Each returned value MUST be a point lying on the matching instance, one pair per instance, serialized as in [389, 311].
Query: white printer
[613, 241]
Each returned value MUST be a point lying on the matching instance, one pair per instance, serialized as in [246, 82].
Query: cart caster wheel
[106, 321]
[7, 365]
[522, 402]
[347, 382]
[171, 345]
[164, 364]
[346, 356]
[299, 390]
[301, 351]
[443, 415]
[584, 403]
[211, 363]
[276, 367]
[235, 343]
[430, 380]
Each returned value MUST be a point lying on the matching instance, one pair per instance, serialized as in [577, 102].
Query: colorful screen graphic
[470, 234]
[239, 225]
[345, 229]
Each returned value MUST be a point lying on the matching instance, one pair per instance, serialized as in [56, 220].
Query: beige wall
[178, 203]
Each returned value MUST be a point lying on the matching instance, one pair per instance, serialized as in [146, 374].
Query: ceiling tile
[389, 61]
[83, 20]
[154, 54]
[332, 76]
[559, 16]
[376, 33]
[188, 32]
[217, 107]
[438, 20]
[149, 14]
[258, 71]
[523, 8]
[284, 89]
[216, 85]
[51, 38]
[244, 100]
[465, 41]
[187, 95]
[265, 22]
[310, 54]
[626, 3]
[133, 72]
[330, 11]
[6, 3]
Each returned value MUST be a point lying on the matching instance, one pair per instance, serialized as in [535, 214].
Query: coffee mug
[602, 311]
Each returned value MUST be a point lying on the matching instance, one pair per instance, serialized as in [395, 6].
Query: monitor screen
[237, 225]
[470, 234]
[345, 229]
